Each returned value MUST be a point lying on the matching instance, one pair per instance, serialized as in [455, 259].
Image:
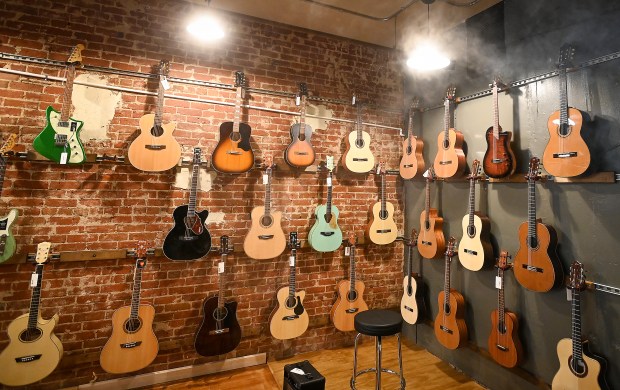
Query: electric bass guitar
[233, 153]
[289, 319]
[431, 241]
[357, 157]
[382, 229]
[450, 159]
[299, 153]
[132, 345]
[34, 351]
[189, 239]
[219, 332]
[325, 235]
[412, 162]
[155, 149]
[60, 140]
[412, 306]
[499, 160]
[536, 264]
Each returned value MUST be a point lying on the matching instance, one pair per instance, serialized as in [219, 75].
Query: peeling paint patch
[94, 106]
[184, 177]
[215, 218]
[320, 110]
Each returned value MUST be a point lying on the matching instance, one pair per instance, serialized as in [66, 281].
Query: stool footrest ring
[367, 370]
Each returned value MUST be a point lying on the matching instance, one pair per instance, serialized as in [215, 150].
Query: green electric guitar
[325, 235]
[60, 140]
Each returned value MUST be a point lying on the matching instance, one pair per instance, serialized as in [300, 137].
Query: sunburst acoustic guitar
[499, 160]
[450, 159]
[300, 153]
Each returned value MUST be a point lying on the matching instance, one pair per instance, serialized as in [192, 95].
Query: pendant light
[426, 56]
[206, 27]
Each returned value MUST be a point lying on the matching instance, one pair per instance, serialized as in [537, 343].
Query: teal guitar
[325, 235]
[60, 140]
[7, 241]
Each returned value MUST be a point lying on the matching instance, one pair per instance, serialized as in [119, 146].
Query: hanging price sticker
[297, 100]
[498, 282]
[329, 181]
[265, 178]
[220, 267]
[353, 100]
[378, 169]
[165, 84]
[291, 261]
[63, 157]
[569, 296]
[34, 279]
[347, 250]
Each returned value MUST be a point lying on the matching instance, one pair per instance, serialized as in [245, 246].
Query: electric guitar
[299, 153]
[289, 319]
[579, 368]
[431, 241]
[475, 248]
[357, 157]
[155, 150]
[350, 300]
[566, 153]
[219, 332]
[412, 162]
[412, 306]
[504, 343]
[382, 229]
[60, 139]
[325, 235]
[233, 153]
[189, 239]
[499, 160]
[266, 239]
[7, 240]
[8, 145]
[450, 326]
[132, 345]
[536, 264]
[34, 351]
[450, 159]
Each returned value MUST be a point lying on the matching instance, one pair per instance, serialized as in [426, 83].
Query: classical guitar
[60, 139]
[219, 332]
[504, 343]
[233, 153]
[34, 351]
[499, 160]
[382, 229]
[412, 305]
[412, 162]
[450, 326]
[325, 235]
[566, 153]
[189, 239]
[132, 345]
[8, 145]
[357, 157]
[155, 149]
[431, 241]
[299, 153]
[350, 300]
[289, 319]
[536, 264]
[266, 239]
[475, 248]
[450, 159]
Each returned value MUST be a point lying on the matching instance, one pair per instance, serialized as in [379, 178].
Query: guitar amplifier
[302, 376]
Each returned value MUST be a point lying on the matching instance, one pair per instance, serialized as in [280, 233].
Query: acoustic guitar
[189, 239]
[357, 157]
[219, 332]
[566, 153]
[412, 162]
[450, 159]
[300, 153]
[579, 368]
[60, 139]
[289, 319]
[155, 149]
[266, 239]
[499, 160]
[382, 229]
[412, 306]
[132, 345]
[504, 343]
[34, 351]
[450, 326]
[325, 235]
[350, 300]
[431, 241]
[475, 248]
[536, 264]
[233, 153]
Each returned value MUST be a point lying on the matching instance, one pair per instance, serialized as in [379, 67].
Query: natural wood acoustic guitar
[358, 157]
[300, 153]
[412, 306]
[499, 160]
[325, 235]
[412, 162]
[431, 241]
[450, 159]
[382, 229]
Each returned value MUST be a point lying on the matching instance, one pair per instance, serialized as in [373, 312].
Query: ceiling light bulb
[206, 28]
[427, 57]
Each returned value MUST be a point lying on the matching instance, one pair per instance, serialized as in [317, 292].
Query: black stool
[378, 323]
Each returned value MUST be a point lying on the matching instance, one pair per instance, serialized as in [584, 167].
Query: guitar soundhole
[409, 149]
[532, 242]
[328, 218]
[501, 327]
[565, 129]
[290, 302]
[359, 143]
[409, 290]
[157, 131]
[220, 313]
[427, 225]
[132, 325]
[383, 214]
[446, 143]
[235, 136]
[578, 367]
[446, 308]
[266, 220]
[30, 335]
[471, 231]
[352, 295]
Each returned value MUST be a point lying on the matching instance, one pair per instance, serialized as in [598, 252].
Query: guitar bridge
[219, 331]
[327, 234]
[233, 152]
[301, 153]
[265, 237]
[445, 162]
[187, 238]
[470, 252]
[351, 311]
[445, 329]
[531, 268]
[60, 139]
[384, 230]
[133, 344]
[428, 243]
[26, 359]
[565, 155]
[290, 318]
[155, 147]
[501, 348]
[407, 165]
[359, 159]
[498, 160]
[408, 308]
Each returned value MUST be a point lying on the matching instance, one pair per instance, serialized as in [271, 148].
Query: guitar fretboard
[427, 207]
[358, 122]
[472, 200]
[35, 299]
[382, 193]
[268, 193]
[501, 307]
[446, 283]
[409, 263]
[191, 208]
[352, 268]
[2, 171]
[135, 295]
[328, 213]
[446, 120]
[495, 114]
[160, 102]
[563, 97]
[65, 111]
[237, 119]
[302, 118]
[221, 282]
[576, 322]
[410, 130]
[291, 279]
[531, 209]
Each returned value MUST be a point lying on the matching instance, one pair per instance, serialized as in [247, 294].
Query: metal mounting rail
[603, 288]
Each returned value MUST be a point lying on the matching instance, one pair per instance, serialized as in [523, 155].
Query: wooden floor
[251, 378]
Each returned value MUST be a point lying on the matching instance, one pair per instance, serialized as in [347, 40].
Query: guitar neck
[160, 102]
[409, 264]
[501, 307]
[531, 209]
[472, 201]
[191, 208]
[135, 296]
[410, 129]
[358, 123]
[495, 113]
[563, 97]
[576, 321]
[446, 284]
[383, 192]
[291, 279]
[67, 103]
[428, 200]
[352, 270]
[35, 299]
[328, 212]
[221, 281]
[2, 171]
[302, 119]
[268, 193]
[237, 119]
[446, 120]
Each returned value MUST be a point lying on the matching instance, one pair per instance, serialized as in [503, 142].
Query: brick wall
[111, 206]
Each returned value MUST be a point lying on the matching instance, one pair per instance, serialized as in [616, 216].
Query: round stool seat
[378, 322]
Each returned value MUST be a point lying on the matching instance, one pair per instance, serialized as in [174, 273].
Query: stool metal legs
[377, 369]
[378, 363]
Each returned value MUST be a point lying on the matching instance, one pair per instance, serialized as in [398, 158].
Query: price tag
[329, 181]
[498, 282]
[353, 100]
[165, 84]
[63, 157]
[265, 178]
[34, 279]
[569, 296]
[291, 261]
[220, 267]
[378, 169]
[347, 250]
[297, 100]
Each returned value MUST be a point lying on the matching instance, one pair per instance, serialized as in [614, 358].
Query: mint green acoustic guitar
[325, 235]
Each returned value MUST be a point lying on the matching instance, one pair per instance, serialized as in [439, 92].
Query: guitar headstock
[141, 254]
[163, 68]
[352, 239]
[293, 242]
[577, 278]
[497, 83]
[567, 53]
[413, 240]
[240, 79]
[533, 173]
[451, 247]
[450, 93]
[43, 252]
[415, 104]
[430, 175]
[502, 261]
[268, 161]
[475, 171]
[197, 156]
[303, 89]
[329, 163]
[9, 144]
[381, 168]
[76, 55]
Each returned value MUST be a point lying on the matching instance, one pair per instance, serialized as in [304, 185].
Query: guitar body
[476, 251]
[285, 323]
[233, 154]
[570, 143]
[450, 159]
[504, 343]
[382, 231]
[298, 153]
[325, 236]
[431, 241]
[130, 351]
[266, 239]
[567, 379]
[46, 351]
[358, 158]
[152, 153]
[412, 162]
[503, 163]
[450, 327]
[412, 306]
[345, 308]
[197, 243]
[45, 144]
[544, 258]
[210, 341]
[7, 240]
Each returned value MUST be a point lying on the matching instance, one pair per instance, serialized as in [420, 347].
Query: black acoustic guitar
[189, 239]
